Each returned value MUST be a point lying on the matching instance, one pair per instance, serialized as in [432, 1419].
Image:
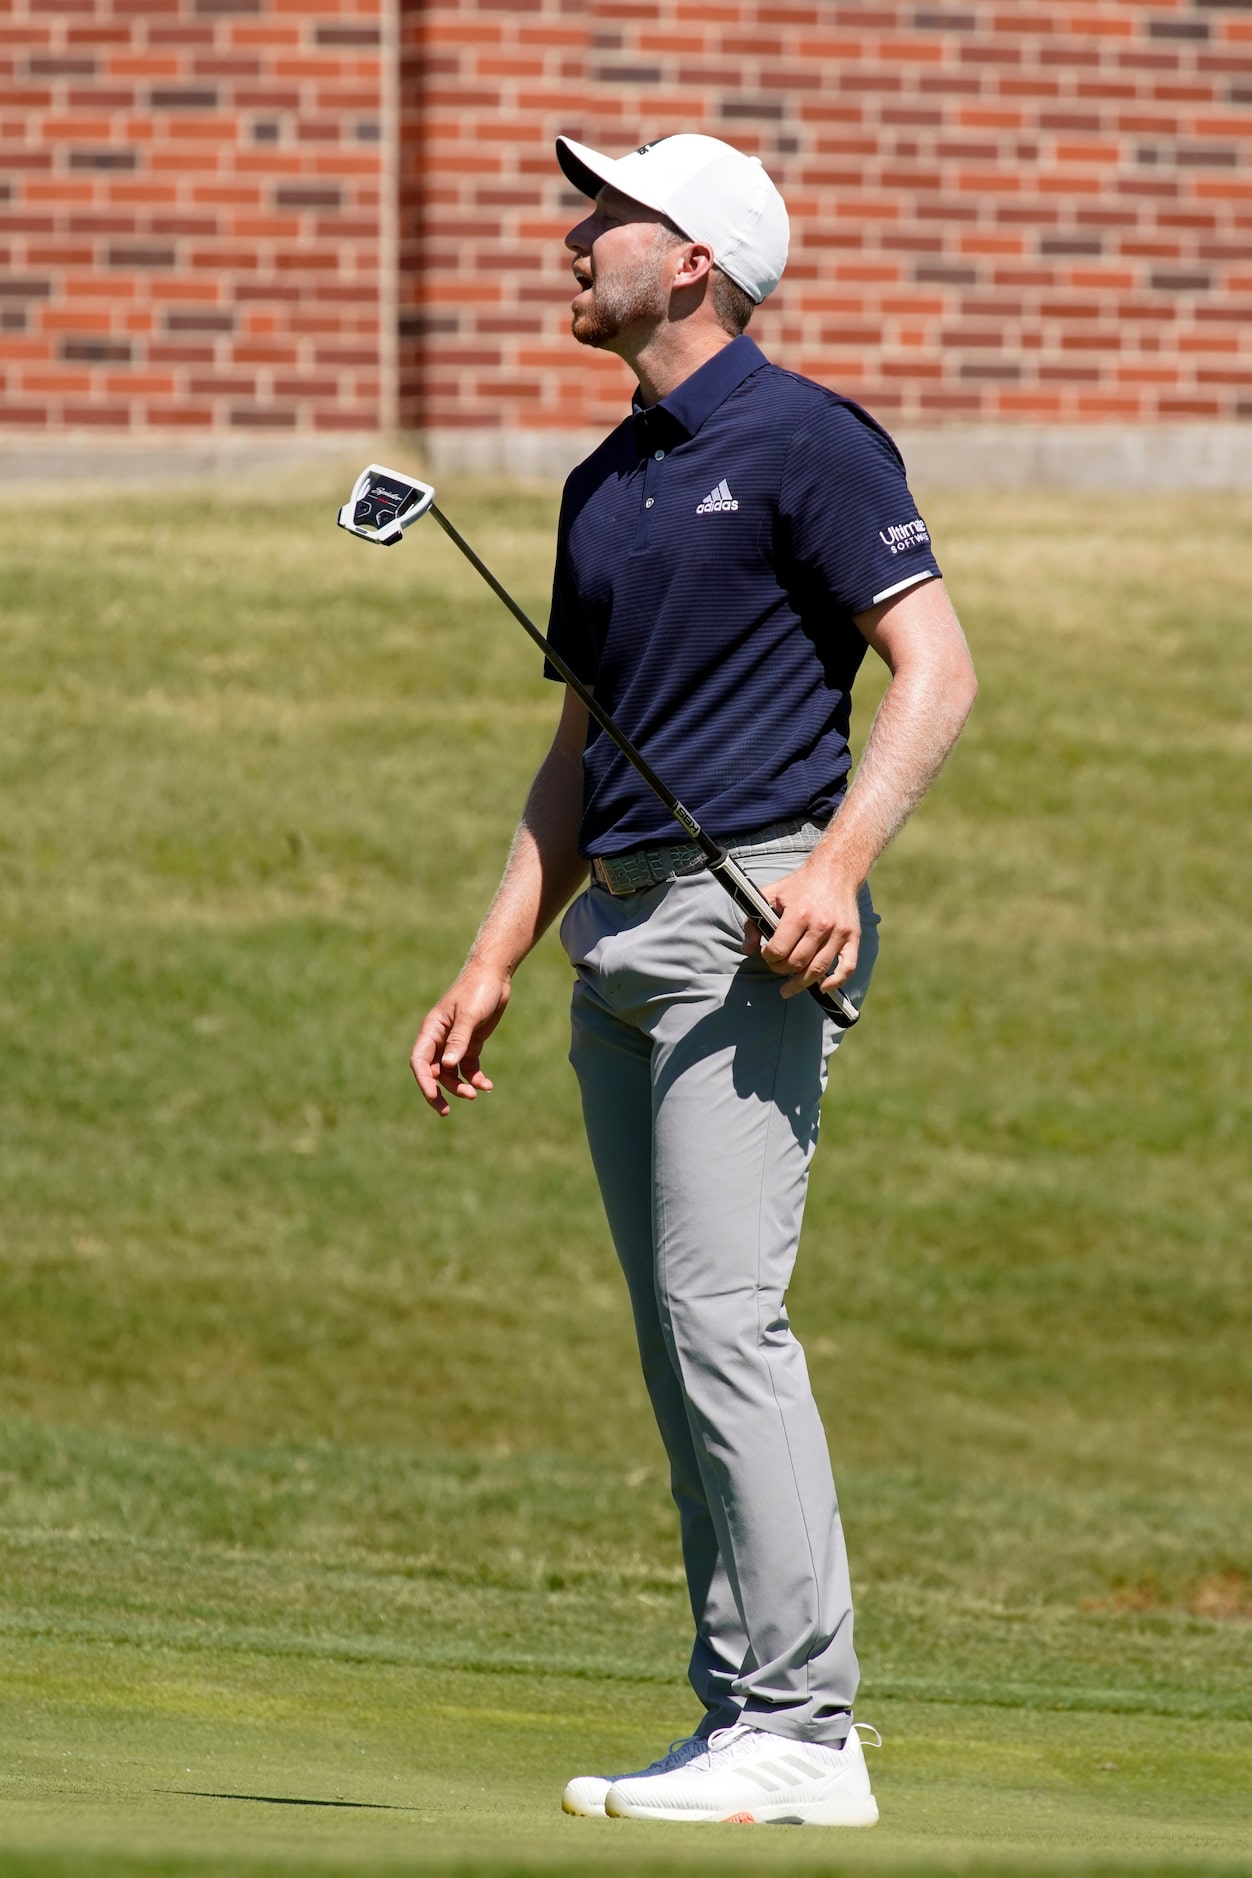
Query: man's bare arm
[542, 872]
[931, 694]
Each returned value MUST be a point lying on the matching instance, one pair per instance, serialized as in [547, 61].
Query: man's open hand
[446, 1057]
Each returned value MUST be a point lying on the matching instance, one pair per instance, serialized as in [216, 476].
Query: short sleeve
[851, 524]
[567, 627]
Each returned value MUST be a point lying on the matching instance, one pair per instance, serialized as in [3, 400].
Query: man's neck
[671, 353]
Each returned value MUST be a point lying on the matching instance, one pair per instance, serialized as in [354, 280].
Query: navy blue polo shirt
[711, 557]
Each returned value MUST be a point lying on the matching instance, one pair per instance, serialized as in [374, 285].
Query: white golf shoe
[745, 1776]
[584, 1795]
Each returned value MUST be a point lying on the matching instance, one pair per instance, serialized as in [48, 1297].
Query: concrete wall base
[1088, 456]
[532, 455]
[1111, 457]
[948, 456]
[36, 459]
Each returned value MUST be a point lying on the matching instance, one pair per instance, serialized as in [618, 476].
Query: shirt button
[649, 502]
[658, 454]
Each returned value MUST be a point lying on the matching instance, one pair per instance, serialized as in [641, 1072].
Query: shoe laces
[678, 1753]
[727, 1740]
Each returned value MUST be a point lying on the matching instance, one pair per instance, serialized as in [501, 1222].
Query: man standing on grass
[723, 560]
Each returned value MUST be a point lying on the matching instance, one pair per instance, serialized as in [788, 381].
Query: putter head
[383, 503]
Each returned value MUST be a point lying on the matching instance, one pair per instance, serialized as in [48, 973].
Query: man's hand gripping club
[819, 929]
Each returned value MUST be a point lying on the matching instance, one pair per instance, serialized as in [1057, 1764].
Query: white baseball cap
[710, 190]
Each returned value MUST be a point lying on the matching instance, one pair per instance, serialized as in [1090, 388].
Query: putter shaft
[722, 865]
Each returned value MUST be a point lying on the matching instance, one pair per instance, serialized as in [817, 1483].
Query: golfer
[723, 561]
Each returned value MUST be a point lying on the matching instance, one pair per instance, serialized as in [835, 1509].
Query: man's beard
[612, 306]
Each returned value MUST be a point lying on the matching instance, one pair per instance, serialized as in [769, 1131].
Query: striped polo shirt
[712, 556]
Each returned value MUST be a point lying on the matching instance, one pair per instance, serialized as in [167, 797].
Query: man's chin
[588, 333]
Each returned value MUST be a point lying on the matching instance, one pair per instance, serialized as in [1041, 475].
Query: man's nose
[576, 241]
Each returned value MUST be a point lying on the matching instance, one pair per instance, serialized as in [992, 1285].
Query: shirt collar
[692, 403]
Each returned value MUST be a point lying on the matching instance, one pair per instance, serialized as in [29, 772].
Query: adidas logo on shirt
[717, 500]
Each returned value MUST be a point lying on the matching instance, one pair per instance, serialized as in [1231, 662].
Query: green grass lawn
[333, 1527]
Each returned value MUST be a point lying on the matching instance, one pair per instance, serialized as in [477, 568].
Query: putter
[383, 504]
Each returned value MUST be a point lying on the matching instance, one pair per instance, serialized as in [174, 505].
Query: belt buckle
[600, 874]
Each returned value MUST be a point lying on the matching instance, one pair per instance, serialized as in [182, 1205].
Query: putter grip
[839, 1008]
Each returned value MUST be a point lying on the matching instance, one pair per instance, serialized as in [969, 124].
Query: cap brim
[586, 169]
[589, 172]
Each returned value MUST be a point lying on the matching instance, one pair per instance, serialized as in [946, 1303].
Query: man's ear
[695, 264]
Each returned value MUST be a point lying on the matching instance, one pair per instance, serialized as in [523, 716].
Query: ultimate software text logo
[908, 535]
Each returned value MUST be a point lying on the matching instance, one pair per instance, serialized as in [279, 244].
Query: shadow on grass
[282, 1799]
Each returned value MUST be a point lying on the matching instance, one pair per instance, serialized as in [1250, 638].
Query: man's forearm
[543, 869]
[917, 724]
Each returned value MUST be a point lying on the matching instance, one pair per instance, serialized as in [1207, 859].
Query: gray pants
[700, 1088]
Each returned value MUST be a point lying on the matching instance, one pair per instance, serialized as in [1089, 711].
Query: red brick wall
[190, 215]
[1021, 211]
[1025, 211]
